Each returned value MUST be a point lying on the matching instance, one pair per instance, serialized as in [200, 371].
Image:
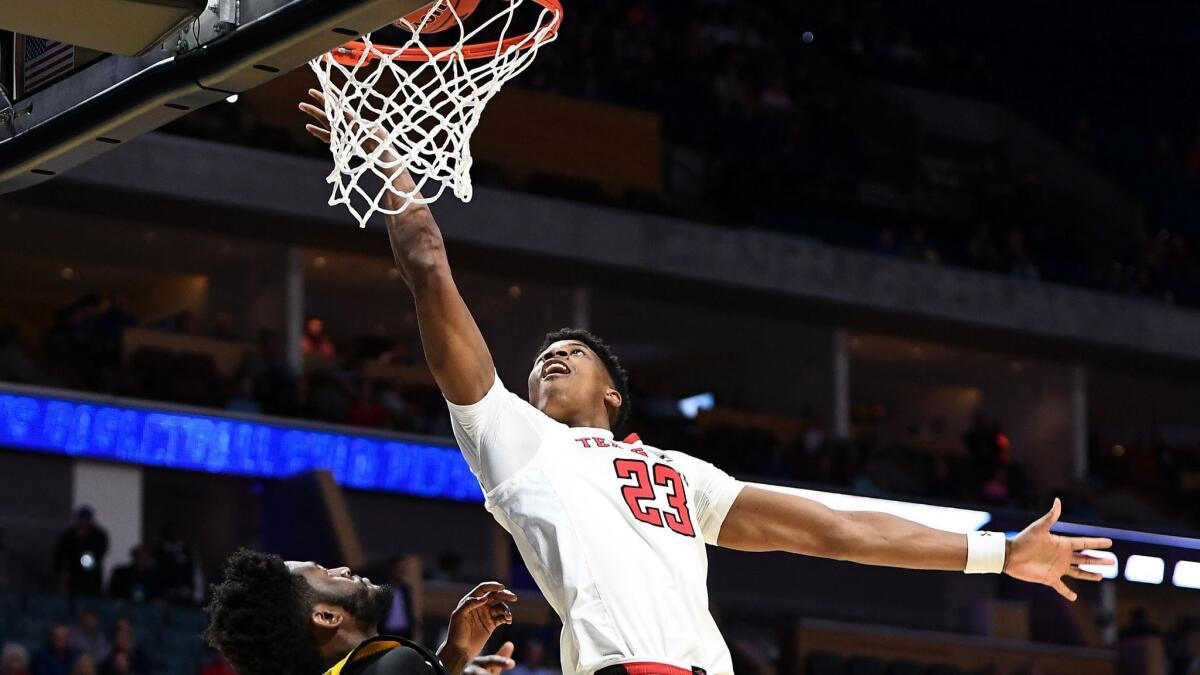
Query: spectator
[182, 322]
[176, 566]
[404, 617]
[126, 656]
[16, 365]
[119, 662]
[222, 328]
[1021, 266]
[138, 580]
[57, 657]
[919, 248]
[315, 342]
[113, 318]
[982, 251]
[885, 242]
[448, 568]
[1139, 625]
[87, 637]
[366, 410]
[79, 555]
[274, 384]
[84, 665]
[244, 399]
[14, 659]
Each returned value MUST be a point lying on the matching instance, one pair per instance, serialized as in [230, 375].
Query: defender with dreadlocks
[614, 532]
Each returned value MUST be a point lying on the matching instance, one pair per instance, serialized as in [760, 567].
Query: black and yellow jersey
[385, 655]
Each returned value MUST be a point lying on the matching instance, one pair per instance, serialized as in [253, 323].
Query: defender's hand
[1037, 556]
[482, 611]
[494, 664]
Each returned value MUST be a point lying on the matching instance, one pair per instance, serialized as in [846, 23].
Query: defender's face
[567, 376]
[339, 582]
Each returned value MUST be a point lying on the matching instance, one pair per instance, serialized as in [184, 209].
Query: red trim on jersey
[632, 438]
[650, 668]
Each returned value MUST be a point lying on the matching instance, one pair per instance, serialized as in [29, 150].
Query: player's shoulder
[509, 402]
[400, 660]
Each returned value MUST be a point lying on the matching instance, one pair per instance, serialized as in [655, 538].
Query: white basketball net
[426, 110]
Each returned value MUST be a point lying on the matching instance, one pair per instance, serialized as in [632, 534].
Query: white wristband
[985, 553]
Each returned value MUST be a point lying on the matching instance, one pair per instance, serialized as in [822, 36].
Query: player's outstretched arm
[454, 347]
[765, 520]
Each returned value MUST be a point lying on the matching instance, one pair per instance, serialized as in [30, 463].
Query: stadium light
[1107, 571]
[1145, 569]
[1186, 574]
[691, 406]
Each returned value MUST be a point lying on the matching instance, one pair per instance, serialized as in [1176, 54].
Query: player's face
[366, 602]
[568, 379]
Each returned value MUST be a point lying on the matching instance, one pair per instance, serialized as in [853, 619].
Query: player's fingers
[500, 611]
[315, 113]
[1063, 590]
[494, 661]
[502, 595]
[318, 95]
[486, 587]
[1085, 559]
[1076, 573]
[1081, 543]
[1051, 517]
[478, 599]
[321, 134]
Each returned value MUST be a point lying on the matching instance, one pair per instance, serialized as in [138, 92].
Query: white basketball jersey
[614, 533]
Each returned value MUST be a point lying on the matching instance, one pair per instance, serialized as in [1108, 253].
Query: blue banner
[217, 444]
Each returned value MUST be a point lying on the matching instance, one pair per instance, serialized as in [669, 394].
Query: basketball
[437, 15]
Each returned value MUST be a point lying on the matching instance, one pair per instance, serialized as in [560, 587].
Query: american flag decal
[44, 61]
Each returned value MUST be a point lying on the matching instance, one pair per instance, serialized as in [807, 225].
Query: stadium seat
[32, 630]
[104, 607]
[190, 618]
[48, 605]
[823, 663]
[147, 619]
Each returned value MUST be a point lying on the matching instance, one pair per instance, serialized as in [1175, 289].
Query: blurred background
[931, 252]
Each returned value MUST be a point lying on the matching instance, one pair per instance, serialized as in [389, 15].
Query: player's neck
[590, 418]
[342, 643]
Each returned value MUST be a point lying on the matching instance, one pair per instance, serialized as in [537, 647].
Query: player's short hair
[259, 617]
[611, 363]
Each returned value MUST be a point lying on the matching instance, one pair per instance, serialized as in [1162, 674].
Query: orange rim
[352, 53]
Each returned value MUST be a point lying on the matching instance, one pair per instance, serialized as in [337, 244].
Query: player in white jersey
[615, 532]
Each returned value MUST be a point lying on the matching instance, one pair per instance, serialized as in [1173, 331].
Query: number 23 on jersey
[641, 493]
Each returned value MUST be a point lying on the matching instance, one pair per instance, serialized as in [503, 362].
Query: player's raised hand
[480, 612]
[1040, 557]
[493, 664]
[371, 136]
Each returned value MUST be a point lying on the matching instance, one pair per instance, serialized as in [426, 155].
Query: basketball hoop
[423, 102]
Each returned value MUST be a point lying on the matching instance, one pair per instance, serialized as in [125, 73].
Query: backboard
[83, 76]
